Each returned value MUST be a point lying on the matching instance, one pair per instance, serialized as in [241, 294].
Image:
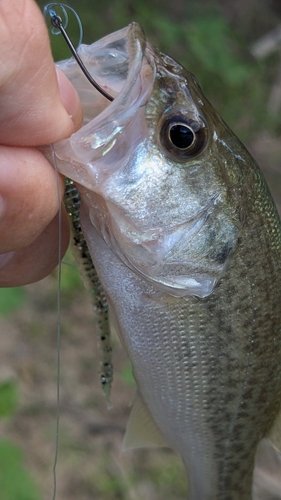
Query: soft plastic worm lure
[92, 282]
[79, 245]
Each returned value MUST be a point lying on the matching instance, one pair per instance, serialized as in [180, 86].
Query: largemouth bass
[186, 242]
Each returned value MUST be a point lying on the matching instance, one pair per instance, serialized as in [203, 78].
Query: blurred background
[234, 49]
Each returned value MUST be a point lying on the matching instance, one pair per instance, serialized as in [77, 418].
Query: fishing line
[58, 326]
[69, 264]
[60, 27]
[48, 9]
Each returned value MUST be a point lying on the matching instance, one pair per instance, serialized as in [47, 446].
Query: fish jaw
[168, 257]
[119, 65]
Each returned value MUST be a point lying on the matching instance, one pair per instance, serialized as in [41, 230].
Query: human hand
[37, 108]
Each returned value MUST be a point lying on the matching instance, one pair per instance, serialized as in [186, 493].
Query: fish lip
[78, 155]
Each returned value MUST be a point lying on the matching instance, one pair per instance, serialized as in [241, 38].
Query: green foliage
[213, 45]
[142, 474]
[8, 398]
[170, 478]
[70, 276]
[15, 481]
[110, 486]
[127, 375]
[11, 299]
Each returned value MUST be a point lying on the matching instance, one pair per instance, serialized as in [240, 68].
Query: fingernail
[70, 99]
[5, 258]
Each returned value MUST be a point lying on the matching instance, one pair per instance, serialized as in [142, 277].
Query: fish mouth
[123, 67]
[177, 259]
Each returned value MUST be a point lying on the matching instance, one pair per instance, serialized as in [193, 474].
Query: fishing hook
[57, 23]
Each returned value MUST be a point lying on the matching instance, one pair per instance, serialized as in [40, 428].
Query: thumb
[32, 112]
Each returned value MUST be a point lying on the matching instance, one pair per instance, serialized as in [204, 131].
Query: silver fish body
[186, 241]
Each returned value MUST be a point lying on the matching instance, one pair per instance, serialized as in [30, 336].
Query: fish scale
[186, 242]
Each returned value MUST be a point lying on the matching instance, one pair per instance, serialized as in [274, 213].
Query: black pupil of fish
[181, 136]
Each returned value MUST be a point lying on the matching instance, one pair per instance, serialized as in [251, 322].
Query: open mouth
[114, 62]
[121, 65]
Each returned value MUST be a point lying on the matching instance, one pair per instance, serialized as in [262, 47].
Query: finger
[32, 112]
[29, 197]
[38, 259]
[70, 102]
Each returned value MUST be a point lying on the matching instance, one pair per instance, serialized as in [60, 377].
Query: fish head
[160, 173]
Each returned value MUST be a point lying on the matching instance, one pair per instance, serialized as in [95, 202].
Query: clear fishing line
[49, 9]
[58, 326]
[59, 27]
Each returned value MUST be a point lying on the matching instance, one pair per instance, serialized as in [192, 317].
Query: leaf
[127, 375]
[214, 45]
[70, 275]
[8, 399]
[15, 481]
[11, 299]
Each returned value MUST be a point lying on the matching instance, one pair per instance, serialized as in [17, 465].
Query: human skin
[38, 106]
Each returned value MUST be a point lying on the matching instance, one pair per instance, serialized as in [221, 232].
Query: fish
[185, 240]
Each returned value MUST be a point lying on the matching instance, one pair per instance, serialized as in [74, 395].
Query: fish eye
[182, 137]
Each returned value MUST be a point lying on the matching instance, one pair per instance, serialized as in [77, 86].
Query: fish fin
[142, 431]
[267, 472]
[275, 432]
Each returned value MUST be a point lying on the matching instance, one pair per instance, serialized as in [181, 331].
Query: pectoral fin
[142, 431]
[267, 473]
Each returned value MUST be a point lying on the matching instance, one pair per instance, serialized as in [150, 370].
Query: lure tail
[92, 282]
